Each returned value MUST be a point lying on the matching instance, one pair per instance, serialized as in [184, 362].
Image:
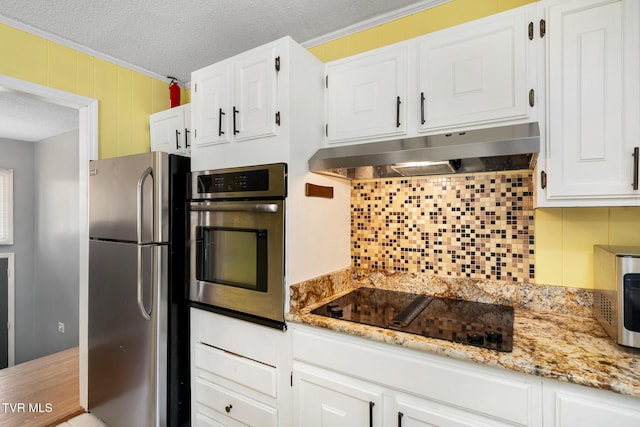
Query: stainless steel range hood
[493, 149]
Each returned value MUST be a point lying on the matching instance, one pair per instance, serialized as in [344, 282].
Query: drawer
[201, 420]
[258, 342]
[232, 405]
[246, 372]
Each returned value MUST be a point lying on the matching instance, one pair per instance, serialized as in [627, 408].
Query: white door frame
[87, 150]
[11, 317]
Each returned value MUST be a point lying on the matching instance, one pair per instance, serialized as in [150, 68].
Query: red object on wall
[174, 92]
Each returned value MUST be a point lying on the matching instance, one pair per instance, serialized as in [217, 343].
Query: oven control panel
[247, 182]
[256, 180]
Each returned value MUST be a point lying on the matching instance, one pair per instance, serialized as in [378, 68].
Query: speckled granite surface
[555, 335]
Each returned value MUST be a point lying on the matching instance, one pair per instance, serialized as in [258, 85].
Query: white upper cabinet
[262, 106]
[366, 95]
[211, 99]
[235, 100]
[254, 110]
[474, 73]
[593, 108]
[170, 130]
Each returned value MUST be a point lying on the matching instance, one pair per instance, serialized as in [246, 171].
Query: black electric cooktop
[474, 323]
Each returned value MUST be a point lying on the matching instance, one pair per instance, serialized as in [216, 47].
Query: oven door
[237, 257]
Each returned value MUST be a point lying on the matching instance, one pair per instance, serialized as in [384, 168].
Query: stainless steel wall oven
[237, 223]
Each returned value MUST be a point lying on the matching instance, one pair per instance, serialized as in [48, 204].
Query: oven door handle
[235, 207]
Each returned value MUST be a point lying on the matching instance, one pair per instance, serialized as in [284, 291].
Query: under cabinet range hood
[482, 150]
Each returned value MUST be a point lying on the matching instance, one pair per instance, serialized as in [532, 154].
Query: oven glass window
[232, 257]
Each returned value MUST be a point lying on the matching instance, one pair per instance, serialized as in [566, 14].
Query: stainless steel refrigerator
[138, 319]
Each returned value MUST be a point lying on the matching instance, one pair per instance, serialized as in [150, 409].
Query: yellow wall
[564, 238]
[126, 98]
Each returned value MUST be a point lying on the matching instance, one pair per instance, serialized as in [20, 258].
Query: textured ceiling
[25, 118]
[174, 38]
[178, 37]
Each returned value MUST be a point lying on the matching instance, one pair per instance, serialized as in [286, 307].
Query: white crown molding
[76, 46]
[374, 22]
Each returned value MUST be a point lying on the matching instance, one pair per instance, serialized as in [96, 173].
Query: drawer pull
[228, 408]
[636, 157]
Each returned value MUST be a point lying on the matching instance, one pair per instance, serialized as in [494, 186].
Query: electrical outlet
[61, 327]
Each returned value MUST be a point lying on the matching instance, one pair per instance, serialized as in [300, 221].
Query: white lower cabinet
[325, 399]
[341, 377]
[569, 405]
[411, 411]
[238, 382]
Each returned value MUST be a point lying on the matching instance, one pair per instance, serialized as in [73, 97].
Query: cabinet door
[254, 105]
[592, 122]
[568, 405]
[167, 130]
[211, 101]
[414, 412]
[476, 73]
[366, 95]
[326, 399]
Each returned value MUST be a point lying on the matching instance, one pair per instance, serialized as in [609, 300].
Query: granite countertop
[555, 335]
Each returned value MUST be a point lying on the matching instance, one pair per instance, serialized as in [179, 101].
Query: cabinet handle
[422, 99]
[220, 114]
[371, 405]
[400, 415]
[636, 156]
[186, 137]
[177, 139]
[228, 408]
[398, 112]
[235, 112]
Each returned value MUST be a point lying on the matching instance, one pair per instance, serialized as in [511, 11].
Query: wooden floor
[41, 392]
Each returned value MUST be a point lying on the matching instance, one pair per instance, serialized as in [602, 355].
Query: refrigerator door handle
[139, 203]
[146, 314]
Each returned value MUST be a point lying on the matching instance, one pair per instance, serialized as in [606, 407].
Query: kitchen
[564, 237]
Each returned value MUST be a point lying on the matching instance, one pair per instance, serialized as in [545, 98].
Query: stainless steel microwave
[616, 302]
[237, 223]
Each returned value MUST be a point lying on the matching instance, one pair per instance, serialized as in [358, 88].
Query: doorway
[87, 109]
[7, 349]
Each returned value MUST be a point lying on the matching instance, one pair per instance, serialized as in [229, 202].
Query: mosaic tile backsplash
[478, 226]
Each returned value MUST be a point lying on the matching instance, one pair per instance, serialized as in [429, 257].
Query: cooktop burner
[474, 323]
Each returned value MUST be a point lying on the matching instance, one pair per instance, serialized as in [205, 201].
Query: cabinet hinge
[277, 63]
[195, 133]
[291, 379]
[543, 179]
[530, 30]
[326, 130]
[543, 28]
[532, 98]
[195, 87]
[278, 118]
[326, 81]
